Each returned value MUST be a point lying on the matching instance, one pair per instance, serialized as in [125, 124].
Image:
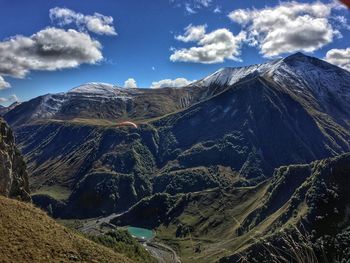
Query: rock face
[13, 175]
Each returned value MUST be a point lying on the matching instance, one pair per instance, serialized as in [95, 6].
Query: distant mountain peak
[231, 75]
[93, 87]
[297, 55]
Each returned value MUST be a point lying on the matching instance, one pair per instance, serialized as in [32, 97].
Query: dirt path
[162, 253]
[96, 225]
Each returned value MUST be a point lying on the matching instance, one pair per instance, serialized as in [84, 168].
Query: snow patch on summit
[93, 87]
[49, 106]
[105, 90]
[230, 76]
[305, 76]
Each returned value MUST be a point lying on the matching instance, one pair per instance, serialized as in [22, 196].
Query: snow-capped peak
[105, 90]
[305, 76]
[230, 76]
[94, 87]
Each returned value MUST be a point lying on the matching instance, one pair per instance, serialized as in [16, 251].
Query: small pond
[141, 233]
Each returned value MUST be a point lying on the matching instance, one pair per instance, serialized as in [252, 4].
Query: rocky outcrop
[13, 174]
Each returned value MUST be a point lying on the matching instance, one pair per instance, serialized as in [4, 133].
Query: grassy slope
[219, 223]
[215, 220]
[212, 219]
[29, 235]
[55, 191]
[208, 220]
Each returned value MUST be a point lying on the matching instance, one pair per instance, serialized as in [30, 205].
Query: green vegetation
[121, 242]
[194, 179]
[201, 226]
[57, 192]
[237, 222]
[316, 202]
[207, 167]
[150, 212]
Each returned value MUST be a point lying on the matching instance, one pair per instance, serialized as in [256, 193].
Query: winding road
[161, 252]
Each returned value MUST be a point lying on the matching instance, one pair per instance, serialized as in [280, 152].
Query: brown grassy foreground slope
[29, 235]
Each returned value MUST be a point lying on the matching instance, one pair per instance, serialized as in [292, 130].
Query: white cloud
[339, 57]
[96, 23]
[192, 6]
[288, 27]
[204, 3]
[4, 84]
[49, 49]
[213, 47]
[217, 10]
[192, 33]
[189, 9]
[341, 22]
[170, 83]
[130, 83]
[12, 98]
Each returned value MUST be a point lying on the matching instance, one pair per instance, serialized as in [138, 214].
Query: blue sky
[149, 32]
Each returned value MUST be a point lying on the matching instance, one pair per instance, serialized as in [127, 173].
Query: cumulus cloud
[12, 98]
[192, 33]
[288, 27]
[4, 84]
[213, 47]
[339, 57]
[49, 49]
[130, 83]
[170, 83]
[95, 23]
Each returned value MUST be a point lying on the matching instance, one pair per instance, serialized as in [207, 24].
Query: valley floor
[161, 252]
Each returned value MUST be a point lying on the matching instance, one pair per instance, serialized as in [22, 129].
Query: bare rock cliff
[13, 174]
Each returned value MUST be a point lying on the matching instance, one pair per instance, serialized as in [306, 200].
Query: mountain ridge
[304, 203]
[260, 124]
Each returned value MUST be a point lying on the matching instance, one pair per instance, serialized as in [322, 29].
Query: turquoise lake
[141, 233]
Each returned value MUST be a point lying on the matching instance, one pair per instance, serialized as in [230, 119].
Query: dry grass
[296, 248]
[29, 235]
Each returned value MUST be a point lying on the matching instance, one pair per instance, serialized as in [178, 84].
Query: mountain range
[206, 164]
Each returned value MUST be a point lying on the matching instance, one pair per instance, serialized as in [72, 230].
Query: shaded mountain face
[232, 128]
[13, 174]
[4, 110]
[307, 203]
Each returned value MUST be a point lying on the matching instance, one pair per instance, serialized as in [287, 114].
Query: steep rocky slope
[13, 174]
[29, 235]
[4, 110]
[231, 128]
